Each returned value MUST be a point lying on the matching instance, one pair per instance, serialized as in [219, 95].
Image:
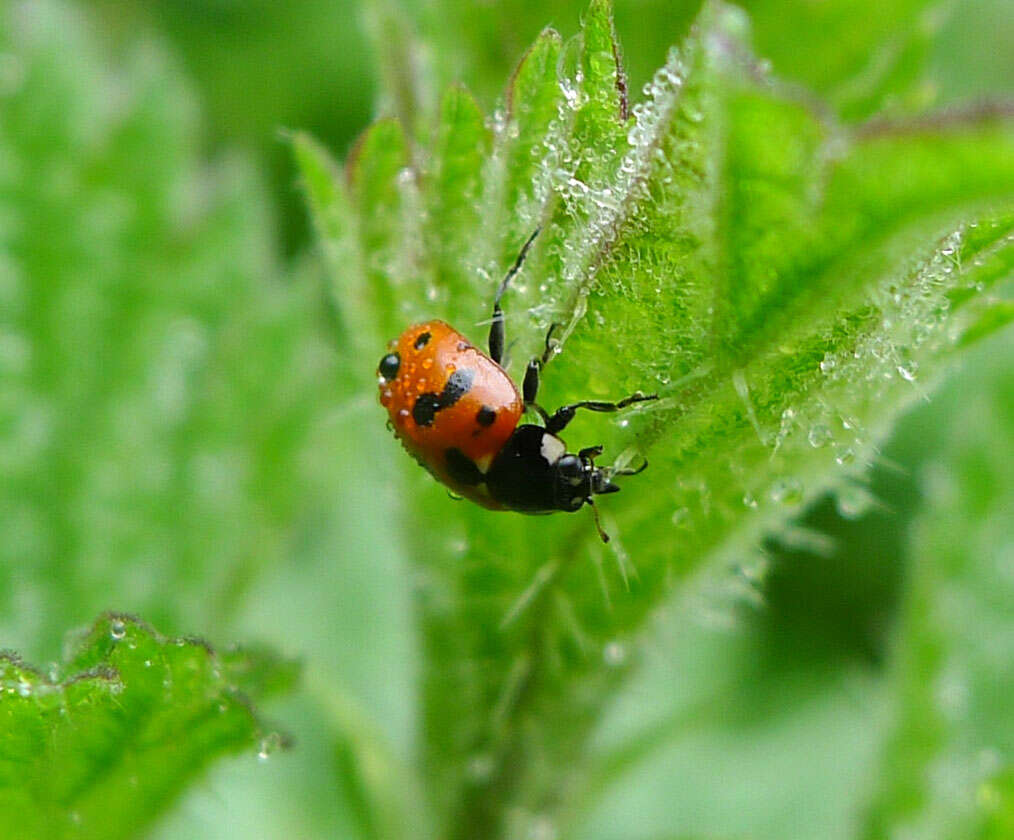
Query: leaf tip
[385, 134]
[537, 63]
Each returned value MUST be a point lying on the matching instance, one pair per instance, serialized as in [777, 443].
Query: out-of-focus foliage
[783, 281]
[861, 56]
[180, 438]
[260, 67]
[745, 721]
[156, 373]
[949, 757]
[130, 718]
[175, 426]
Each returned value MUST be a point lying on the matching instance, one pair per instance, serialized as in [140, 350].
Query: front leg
[563, 415]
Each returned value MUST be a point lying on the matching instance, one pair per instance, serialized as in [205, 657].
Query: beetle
[457, 411]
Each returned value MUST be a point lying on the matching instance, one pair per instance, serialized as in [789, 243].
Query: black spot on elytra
[388, 367]
[486, 416]
[458, 384]
[421, 341]
[425, 409]
[427, 405]
[461, 468]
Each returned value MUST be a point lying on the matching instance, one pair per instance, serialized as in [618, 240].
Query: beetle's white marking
[483, 463]
[552, 448]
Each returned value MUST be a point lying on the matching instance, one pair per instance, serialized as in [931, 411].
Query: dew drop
[693, 114]
[749, 500]
[845, 456]
[819, 435]
[852, 501]
[405, 176]
[681, 517]
[269, 744]
[117, 629]
[479, 768]
[787, 491]
[828, 365]
[614, 654]
[542, 829]
[907, 371]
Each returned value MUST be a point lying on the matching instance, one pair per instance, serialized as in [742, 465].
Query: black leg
[530, 386]
[496, 328]
[598, 524]
[530, 389]
[565, 414]
[496, 335]
[591, 452]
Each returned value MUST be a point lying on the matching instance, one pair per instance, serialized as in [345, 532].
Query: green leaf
[140, 320]
[726, 732]
[786, 283]
[861, 57]
[947, 765]
[131, 718]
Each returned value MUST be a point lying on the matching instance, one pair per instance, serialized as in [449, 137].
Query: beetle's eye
[570, 466]
[389, 365]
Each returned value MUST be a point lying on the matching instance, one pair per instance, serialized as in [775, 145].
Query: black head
[534, 473]
[578, 479]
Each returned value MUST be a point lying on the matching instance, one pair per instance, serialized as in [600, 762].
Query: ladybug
[456, 411]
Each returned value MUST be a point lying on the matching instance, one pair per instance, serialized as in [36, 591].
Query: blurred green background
[176, 438]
